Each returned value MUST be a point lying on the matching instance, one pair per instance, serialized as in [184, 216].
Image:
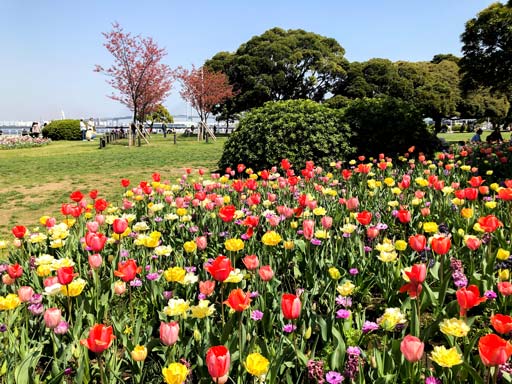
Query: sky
[50, 47]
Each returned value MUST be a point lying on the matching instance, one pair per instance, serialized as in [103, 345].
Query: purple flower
[193, 229]
[369, 326]
[334, 377]
[343, 314]
[152, 276]
[245, 236]
[136, 283]
[36, 309]
[491, 295]
[354, 351]
[61, 328]
[167, 295]
[432, 380]
[345, 301]
[353, 271]
[125, 253]
[201, 296]
[289, 328]
[316, 371]
[367, 249]
[190, 269]
[256, 315]
[36, 298]
[381, 226]
[316, 241]
[254, 294]
[3, 328]
[158, 219]
[3, 267]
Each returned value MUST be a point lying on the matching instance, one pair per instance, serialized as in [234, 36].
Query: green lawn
[36, 181]
[455, 137]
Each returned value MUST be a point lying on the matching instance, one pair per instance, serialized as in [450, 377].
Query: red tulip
[489, 223]
[220, 268]
[65, 275]
[251, 262]
[416, 277]
[19, 231]
[494, 350]
[468, 298]
[227, 213]
[476, 181]
[100, 338]
[291, 306]
[169, 332]
[266, 273]
[66, 209]
[412, 348]
[100, 205]
[95, 241]
[505, 288]
[127, 270]
[218, 361]
[418, 242]
[505, 194]
[14, 271]
[372, 232]
[93, 194]
[119, 226]
[285, 164]
[238, 300]
[155, 176]
[471, 193]
[76, 196]
[404, 216]
[125, 183]
[502, 323]
[473, 243]
[364, 217]
[441, 244]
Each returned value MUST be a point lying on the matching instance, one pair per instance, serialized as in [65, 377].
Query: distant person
[83, 129]
[477, 136]
[215, 129]
[495, 136]
[35, 130]
[164, 129]
[91, 130]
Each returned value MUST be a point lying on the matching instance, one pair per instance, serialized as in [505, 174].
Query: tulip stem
[222, 303]
[240, 344]
[102, 371]
[131, 303]
[69, 305]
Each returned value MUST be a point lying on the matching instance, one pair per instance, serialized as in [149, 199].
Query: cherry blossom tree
[139, 76]
[203, 89]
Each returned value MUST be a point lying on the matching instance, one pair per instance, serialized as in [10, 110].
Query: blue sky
[50, 47]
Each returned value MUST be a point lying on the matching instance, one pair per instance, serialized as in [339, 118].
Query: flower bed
[373, 270]
[16, 142]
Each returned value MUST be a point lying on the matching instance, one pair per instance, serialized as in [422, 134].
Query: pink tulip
[412, 348]
[25, 293]
[52, 317]
[326, 222]
[308, 227]
[201, 242]
[352, 203]
[95, 261]
[169, 332]
[100, 219]
[92, 226]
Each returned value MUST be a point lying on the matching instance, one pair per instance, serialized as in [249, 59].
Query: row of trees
[295, 64]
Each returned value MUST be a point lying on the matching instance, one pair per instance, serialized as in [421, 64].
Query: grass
[456, 137]
[36, 181]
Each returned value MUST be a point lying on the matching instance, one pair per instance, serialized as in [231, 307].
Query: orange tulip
[100, 338]
[238, 300]
[502, 323]
[494, 350]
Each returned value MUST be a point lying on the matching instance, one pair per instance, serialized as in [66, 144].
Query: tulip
[494, 350]
[364, 217]
[8, 280]
[489, 223]
[372, 232]
[119, 226]
[95, 260]
[473, 242]
[125, 183]
[404, 216]
[502, 323]
[95, 241]
[19, 231]
[251, 262]
[14, 271]
[206, 287]
[468, 298]
[220, 268]
[412, 348]
[266, 273]
[238, 300]
[290, 306]
[416, 276]
[326, 222]
[65, 275]
[139, 353]
[418, 242]
[92, 226]
[505, 288]
[76, 196]
[218, 361]
[227, 213]
[127, 270]
[352, 203]
[441, 244]
[119, 287]
[201, 243]
[308, 228]
[52, 317]
[169, 332]
[100, 338]
[25, 293]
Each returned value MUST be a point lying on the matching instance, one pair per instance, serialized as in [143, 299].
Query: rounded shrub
[299, 130]
[63, 130]
[388, 125]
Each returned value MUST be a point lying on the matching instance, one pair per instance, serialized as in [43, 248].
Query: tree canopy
[487, 49]
[281, 65]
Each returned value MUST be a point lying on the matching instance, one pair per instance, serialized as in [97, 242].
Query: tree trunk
[437, 124]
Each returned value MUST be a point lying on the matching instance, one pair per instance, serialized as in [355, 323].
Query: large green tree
[487, 49]
[280, 65]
